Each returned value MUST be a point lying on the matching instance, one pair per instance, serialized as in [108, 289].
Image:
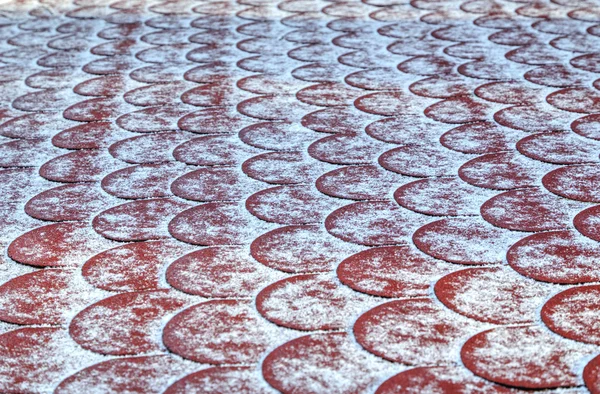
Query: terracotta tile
[148, 374]
[574, 182]
[201, 273]
[126, 323]
[78, 201]
[409, 185]
[554, 256]
[133, 266]
[298, 249]
[143, 181]
[337, 365]
[221, 379]
[447, 239]
[392, 271]
[412, 331]
[530, 209]
[139, 220]
[310, 302]
[442, 379]
[219, 332]
[373, 223]
[487, 353]
[219, 223]
[44, 355]
[493, 295]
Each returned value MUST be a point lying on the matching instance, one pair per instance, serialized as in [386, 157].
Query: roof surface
[300, 196]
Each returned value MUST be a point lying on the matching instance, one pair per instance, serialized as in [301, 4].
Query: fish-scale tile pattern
[260, 196]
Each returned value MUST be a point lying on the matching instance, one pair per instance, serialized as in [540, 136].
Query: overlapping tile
[299, 196]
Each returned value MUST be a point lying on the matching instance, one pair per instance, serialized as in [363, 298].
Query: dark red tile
[95, 110]
[78, 201]
[587, 62]
[555, 76]
[558, 148]
[139, 220]
[373, 223]
[493, 295]
[319, 301]
[219, 223]
[346, 149]
[282, 168]
[442, 87]
[555, 256]
[480, 138]
[218, 120]
[376, 79]
[590, 376]
[572, 313]
[126, 323]
[388, 103]
[502, 171]
[108, 86]
[43, 297]
[78, 166]
[218, 183]
[149, 148]
[574, 182]
[274, 107]
[587, 126]
[329, 94]
[510, 92]
[291, 205]
[358, 182]
[510, 356]
[580, 100]
[49, 100]
[335, 120]
[36, 358]
[56, 245]
[298, 249]
[407, 129]
[153, 119]
[221, 379]
[531, 209]
[413, 331]
[202, 273]
[535, 54]
[442, 197]
[157, 94]
[143, 181]
[585, 222]
[33, 126]
[147, 374]
[337, 364]
[422, 161]
[392, 271]
[222, 93]
[277, 136]
[449, 240]
[460, 109]
[134, 266]
[92, 135]
[427, 65]
[219, 332]
[441, 379]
